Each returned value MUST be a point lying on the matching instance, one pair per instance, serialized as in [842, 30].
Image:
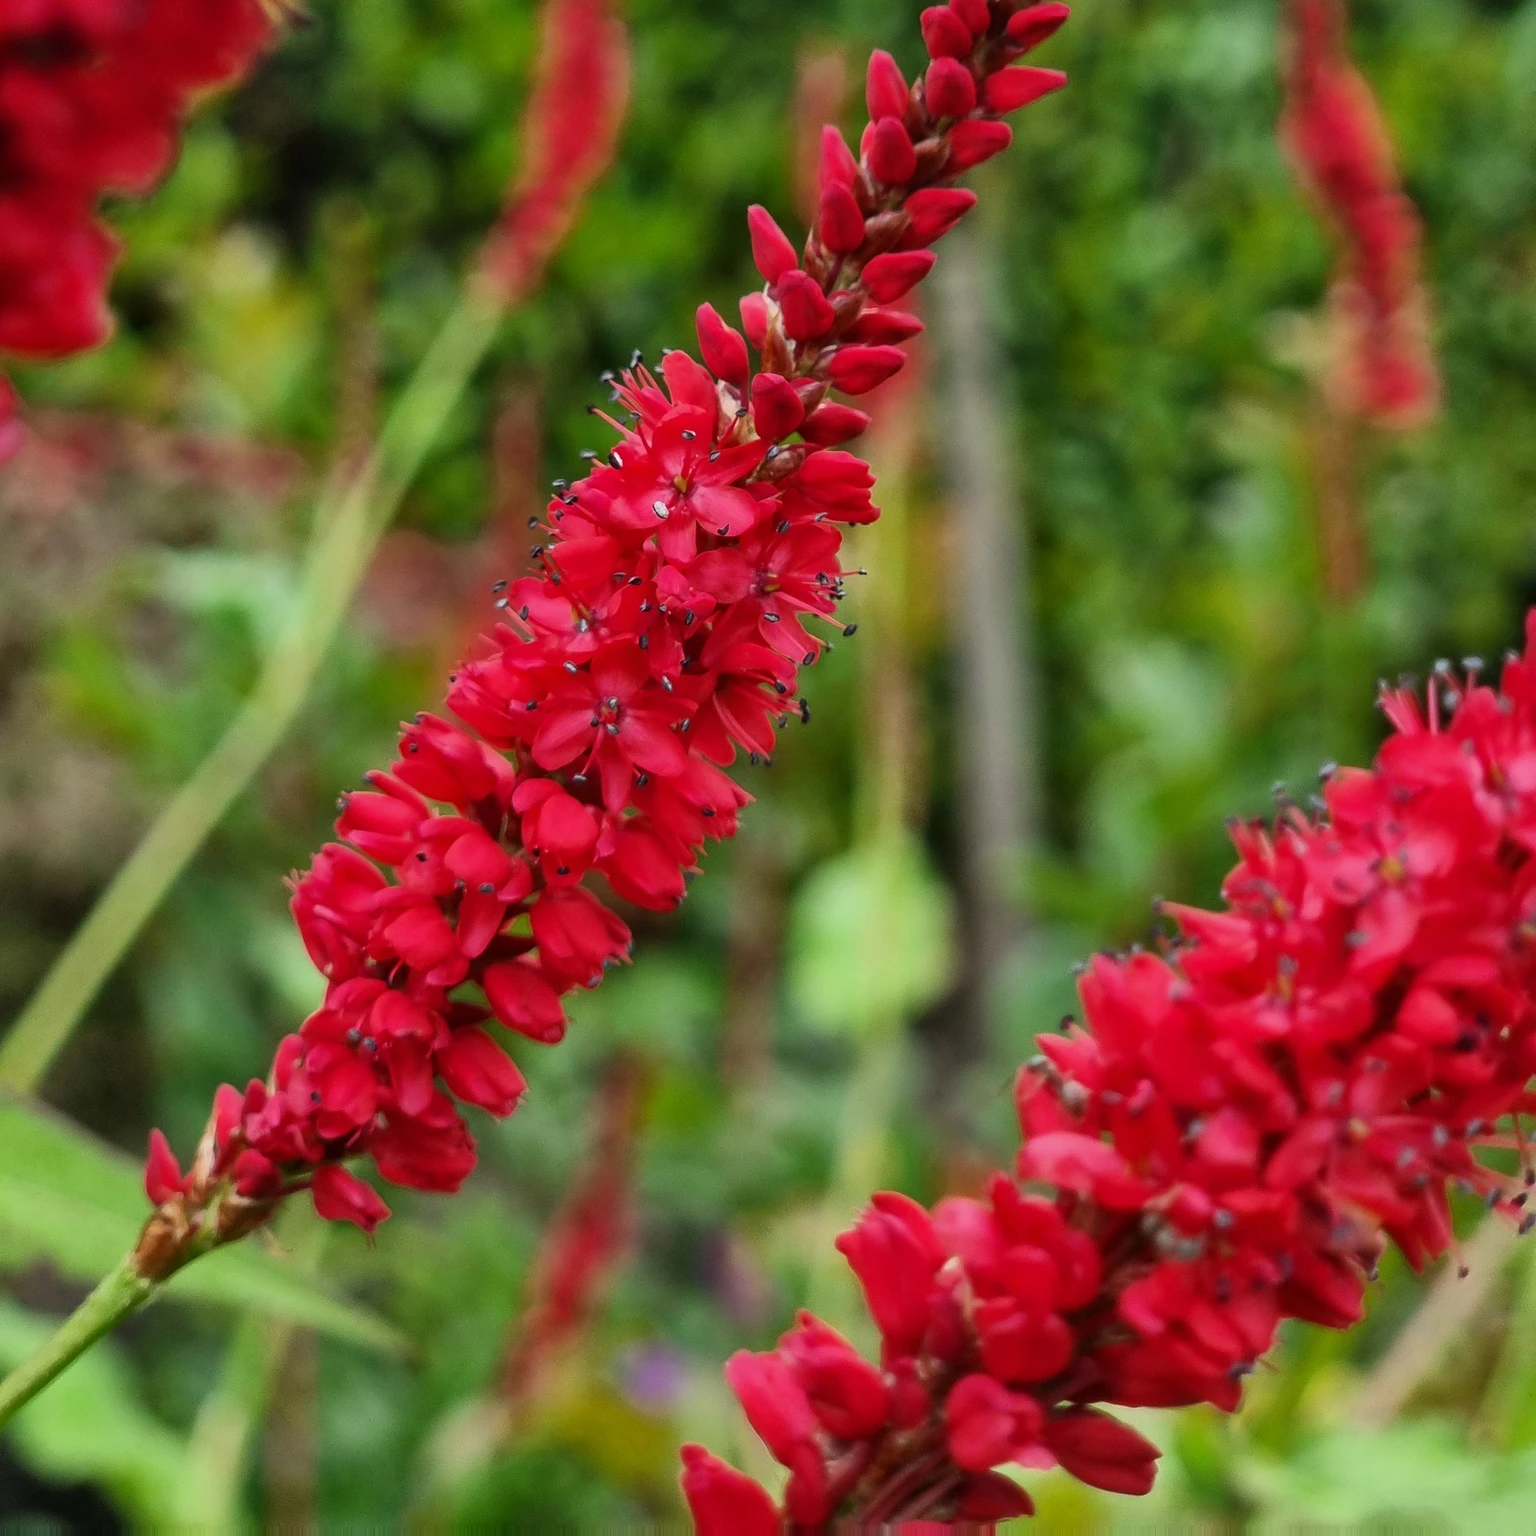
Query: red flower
[680, 582]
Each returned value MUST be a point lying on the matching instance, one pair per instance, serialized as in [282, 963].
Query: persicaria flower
[1338, 142]
[681, 582]
[1246, 1117]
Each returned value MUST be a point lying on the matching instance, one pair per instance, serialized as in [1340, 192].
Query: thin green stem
[351, 519]
[122, 1293]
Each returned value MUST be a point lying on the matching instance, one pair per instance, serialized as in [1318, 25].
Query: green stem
[122, 1293]
[351, 520]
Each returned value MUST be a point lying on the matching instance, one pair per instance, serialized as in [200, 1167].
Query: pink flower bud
[256, 1177]
[888, 152]
[885, 87]
[1030, 27]
[944, 34]
[857, 370]
[839, 222]
[477, 1070]
[807, 314]
[974, 141]
[1103, 1452]
[523, 1000]
[888, 277]
[987, 1425]
[162, 1172]
[878, 326]
[935, 211]
[1010, 89]
[830, 424]
[776, 409]
[949, 88]
[772, 253]
[976, 14]
[722, 346]
[754, 319]
[838, 165]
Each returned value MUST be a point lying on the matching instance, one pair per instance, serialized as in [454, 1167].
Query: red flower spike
[571, 128]
[949, 88]
[840, 223]
[772, 254]
[1011, 89]
[1028, 28]
[893, 275]
[945, 35]
[680, 590]
[723, 348]
[885, 88]
[1338, 141]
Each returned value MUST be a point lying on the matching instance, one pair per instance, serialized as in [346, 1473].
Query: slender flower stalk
[1384, 370]
[92, 99]
[665, 633]
[1245, 1120]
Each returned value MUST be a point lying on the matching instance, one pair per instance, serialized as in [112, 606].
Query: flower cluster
[1335, 135]
[91, 99]
[678, 589]
[1238, 1129]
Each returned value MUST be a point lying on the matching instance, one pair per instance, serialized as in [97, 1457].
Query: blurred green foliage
[1157, 272]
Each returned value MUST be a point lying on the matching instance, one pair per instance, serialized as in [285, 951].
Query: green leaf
[90, 1427]
[871, 938]
[67, 1198]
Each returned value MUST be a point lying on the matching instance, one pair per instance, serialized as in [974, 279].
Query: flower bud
[949, 88]
[1010, 89]
[840, 221]
[722, 346]
[772, 253]
[944, 34]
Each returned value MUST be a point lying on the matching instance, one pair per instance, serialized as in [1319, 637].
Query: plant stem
[351, 520]
[122, 1293]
